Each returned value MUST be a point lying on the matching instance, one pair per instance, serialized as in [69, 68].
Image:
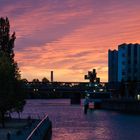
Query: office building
[125, 63]
[129, 62]
[113, 66]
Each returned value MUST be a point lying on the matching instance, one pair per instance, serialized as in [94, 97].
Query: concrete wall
[42, 131]
[132, 106]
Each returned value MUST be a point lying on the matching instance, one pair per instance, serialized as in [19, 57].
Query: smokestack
[51, 76]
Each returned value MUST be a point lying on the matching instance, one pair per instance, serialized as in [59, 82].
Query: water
[70, 123]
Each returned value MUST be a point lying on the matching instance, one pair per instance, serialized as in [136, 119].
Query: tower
[51, 76]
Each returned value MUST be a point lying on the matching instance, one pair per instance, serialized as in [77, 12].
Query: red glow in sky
[70, 37]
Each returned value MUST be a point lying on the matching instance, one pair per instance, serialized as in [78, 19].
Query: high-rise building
[125, 63]
[112, 66]
[129, 62]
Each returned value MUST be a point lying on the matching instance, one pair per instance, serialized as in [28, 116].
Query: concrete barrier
[42, 131]
[124, 105]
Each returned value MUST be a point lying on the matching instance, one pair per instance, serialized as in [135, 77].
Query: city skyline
[69, 37]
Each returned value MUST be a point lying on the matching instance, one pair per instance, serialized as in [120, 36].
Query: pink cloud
[70, 37]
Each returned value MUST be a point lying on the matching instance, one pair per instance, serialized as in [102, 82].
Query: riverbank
[122, 105]
[70, 122]
[26, 129]
[15, 127]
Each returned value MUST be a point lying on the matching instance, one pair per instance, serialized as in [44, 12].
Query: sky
[69, 37]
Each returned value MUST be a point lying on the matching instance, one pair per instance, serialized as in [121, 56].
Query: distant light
[35, 89]
[101, 89]
[138, 96]
[88, 94]
[94, 90]
[54, 90]
[90, 84]
[96, 85]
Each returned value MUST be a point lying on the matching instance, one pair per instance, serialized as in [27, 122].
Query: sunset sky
[69, 37]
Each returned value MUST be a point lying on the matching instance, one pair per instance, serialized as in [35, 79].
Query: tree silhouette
[35, 81]
[122, 89]
[11, 85]
[45, 80]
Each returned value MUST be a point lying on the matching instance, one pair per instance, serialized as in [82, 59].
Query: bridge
[62, 89]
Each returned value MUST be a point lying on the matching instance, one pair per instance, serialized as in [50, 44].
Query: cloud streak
[70, 37]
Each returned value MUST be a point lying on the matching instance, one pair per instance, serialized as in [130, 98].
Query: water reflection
[70, 123]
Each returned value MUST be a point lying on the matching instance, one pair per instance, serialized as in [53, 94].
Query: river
[70, 123]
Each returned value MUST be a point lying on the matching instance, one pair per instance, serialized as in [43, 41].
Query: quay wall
[123, 105]
[43, 131]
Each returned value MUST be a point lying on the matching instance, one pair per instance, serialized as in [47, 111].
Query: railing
[43, 129]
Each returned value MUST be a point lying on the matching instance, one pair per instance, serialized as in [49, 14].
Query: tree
[11, 86]
[35, 81]
[25, 80]
[132, 88]
[45, 80]
[122, 89]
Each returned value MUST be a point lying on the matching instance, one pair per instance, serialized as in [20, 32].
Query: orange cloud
[70, 37]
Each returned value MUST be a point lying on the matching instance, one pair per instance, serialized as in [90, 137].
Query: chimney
[51, 76]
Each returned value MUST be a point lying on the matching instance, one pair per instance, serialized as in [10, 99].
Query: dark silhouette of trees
[35, 81]
[11, 85]
[25, 81]
[122, 89]
[132, 87]
[45, 80]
